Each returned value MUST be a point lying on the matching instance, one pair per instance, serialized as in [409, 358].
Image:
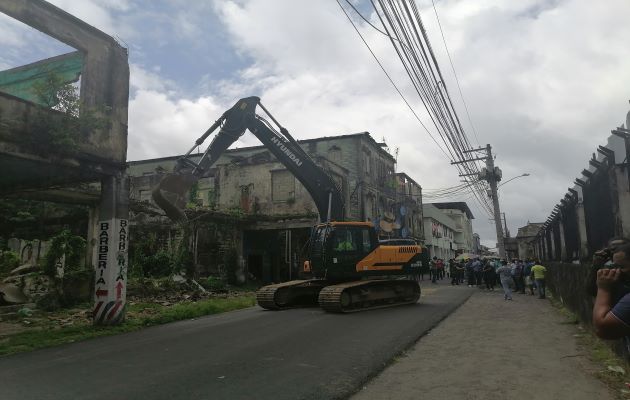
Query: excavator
[351, 271]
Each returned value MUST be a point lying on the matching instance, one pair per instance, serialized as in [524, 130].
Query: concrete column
[90, 251]
[563, 246]
[581, 222]
[552, 237]
[623, 196]
[111, 256]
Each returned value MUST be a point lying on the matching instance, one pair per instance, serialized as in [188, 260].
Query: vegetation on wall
[59, 132]
[9, 260]
[68, 245]
[29, 219]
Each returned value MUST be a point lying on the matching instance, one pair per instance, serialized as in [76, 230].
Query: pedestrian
[456, 271]
[478, 268]
[517, 275]
[488, 275]
[611, 318]
[433, 269]
[440, 268]
[538, 273]
[448, 266]
[470, 273]
[505, 274]
[496, 263]
[527, 271]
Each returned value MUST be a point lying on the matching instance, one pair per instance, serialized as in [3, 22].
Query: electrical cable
[391, 80]
[454, 73]
[403, 26]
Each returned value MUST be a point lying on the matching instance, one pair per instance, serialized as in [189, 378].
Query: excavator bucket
[171, 194]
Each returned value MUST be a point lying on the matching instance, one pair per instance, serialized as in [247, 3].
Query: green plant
[8, 261]
[63, 131]
[215, 283]
[68, 245]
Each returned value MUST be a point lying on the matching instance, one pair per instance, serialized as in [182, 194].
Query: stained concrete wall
[105, 74]
[250, 168]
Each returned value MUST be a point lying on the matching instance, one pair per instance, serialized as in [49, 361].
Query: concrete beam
[105, 74]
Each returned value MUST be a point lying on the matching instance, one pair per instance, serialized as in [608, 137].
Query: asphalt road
[247, 354]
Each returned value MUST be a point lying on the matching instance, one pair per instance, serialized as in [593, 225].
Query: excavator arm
[170, 193]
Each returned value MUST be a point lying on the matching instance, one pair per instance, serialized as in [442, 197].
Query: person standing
[440, 268]
[517, 274]
[505, 275]
[470, 273]
[456, 271]
[527, 272]
[538, 272]
[488, 275]
[433, 269]
[478, 268]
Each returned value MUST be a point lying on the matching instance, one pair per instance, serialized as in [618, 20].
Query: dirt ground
[494, 349]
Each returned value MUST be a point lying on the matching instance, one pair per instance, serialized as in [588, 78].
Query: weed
[47, 336]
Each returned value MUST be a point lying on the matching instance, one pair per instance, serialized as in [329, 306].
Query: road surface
[246, 354]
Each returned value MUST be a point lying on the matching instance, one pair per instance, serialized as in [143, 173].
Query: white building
[439, 232]
[448, 229]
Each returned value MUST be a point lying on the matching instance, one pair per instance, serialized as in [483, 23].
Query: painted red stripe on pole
[107, 307]
[113, 310]
[96, 308]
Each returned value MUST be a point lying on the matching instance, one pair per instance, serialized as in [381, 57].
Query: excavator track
[289, 294]
[368, 295]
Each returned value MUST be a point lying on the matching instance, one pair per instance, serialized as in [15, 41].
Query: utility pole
[506, 231]
[492, 175]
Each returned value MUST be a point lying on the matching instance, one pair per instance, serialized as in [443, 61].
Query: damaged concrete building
[47, 151]
[249, 202]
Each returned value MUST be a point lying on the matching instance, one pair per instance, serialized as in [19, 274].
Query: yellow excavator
[350, 269]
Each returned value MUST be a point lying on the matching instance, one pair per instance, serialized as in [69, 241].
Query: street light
[511, 179]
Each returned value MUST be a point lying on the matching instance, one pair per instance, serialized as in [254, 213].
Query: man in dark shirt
[612, 320]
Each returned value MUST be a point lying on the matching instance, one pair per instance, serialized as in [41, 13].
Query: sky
[545, 81]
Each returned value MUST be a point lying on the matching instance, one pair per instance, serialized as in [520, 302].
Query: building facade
[440, 232]
[462, 216]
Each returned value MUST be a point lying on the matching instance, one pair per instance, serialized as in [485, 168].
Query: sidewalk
[493, 349]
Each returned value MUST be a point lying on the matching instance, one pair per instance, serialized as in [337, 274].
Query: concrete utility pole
[493, 176]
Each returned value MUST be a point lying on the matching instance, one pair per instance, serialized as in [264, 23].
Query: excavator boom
[170, 194]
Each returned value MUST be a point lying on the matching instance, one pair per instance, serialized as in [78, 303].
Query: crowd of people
[608, 282]
[520, 276]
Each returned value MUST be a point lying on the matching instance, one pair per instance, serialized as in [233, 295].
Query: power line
[389, 77]
[454, 73]
[403, 26]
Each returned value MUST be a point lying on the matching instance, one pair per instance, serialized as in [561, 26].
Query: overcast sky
[545, 80]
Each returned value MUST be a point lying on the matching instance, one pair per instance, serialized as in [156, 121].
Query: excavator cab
[337, 247]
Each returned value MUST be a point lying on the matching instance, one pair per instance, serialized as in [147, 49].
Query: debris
[24, 312]
[22, 269]
[617, 369]
[201, 288]
[12, 294]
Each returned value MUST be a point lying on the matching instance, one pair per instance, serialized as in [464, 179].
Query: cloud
[545, 81]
